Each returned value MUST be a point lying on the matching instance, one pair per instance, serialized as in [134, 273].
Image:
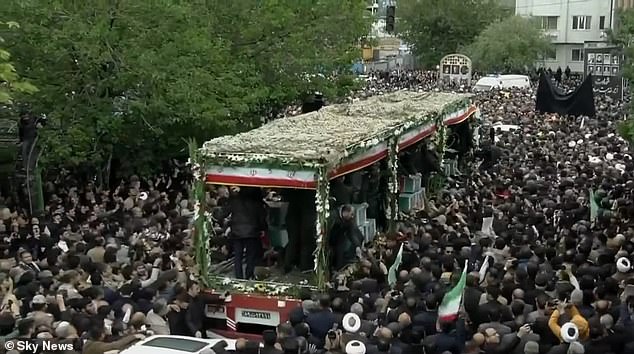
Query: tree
[435, 28]
[624, 36]
[131, 80]
[10, 81]
[510, 46]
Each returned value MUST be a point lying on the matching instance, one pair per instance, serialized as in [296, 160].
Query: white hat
[569, 332]
[594, 159]
[143, 196]
[351, 323]
[572, 144]
[623, 265]
[355, 347]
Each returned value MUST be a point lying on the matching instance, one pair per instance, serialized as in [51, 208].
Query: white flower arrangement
[196, 211]
[322, 206]
[334, 132]
[259, 287]
[196, 171]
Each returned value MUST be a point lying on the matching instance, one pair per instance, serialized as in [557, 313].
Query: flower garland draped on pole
[392, 185]
[200, 230]
[322, 204]
[440, 140]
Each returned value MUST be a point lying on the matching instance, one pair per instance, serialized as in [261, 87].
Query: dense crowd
[104, 268]
[551, 273]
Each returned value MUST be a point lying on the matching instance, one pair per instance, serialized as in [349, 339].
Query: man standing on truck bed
[300, 224]
[248, 223]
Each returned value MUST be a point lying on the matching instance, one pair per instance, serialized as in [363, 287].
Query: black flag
[578, 103]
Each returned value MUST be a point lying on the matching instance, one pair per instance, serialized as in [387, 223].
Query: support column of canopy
[392, 185]
[322, 204]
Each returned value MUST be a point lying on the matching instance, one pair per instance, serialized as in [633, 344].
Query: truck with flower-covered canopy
[309, 150]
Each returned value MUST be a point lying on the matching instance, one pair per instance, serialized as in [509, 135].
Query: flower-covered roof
[334, 132]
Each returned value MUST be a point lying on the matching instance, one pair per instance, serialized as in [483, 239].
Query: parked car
[177, 345]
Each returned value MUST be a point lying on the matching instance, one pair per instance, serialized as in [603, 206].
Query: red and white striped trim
[460, 116]
[361, 161]
[231, 324]
[415, 135]
[261, 177]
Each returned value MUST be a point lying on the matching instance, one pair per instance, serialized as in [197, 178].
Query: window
[549, 56]
[602, 22]
[581, 22]
[577, 55]
[549, 22]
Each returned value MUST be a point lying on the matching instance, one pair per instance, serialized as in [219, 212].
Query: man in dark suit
[248, 223]
[493, 305]
[300, 224]
[321, 321]
[426, 320]
[269, 338]
[344, 236]
[471, 298]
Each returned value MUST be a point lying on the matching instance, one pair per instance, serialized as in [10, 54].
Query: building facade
[378, 10]
[571, 25]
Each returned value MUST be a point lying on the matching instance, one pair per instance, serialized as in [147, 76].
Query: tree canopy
[435, 28]
[509, 46]
[133, 79]
[10, 81]
[624, 36]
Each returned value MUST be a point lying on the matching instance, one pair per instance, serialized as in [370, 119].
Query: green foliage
[624, 36]
[436, 28]
[10, 81]
[509, 46]
[626, 130]
[134, 80]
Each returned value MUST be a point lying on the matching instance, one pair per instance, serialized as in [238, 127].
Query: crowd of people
[544, 227]
[104, 268]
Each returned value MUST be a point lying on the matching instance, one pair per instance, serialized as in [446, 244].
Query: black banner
[608, 85]
[552, 100]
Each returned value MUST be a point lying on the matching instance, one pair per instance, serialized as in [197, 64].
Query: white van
[499, 82]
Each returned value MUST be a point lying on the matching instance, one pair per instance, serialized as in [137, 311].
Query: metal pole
[612, 14]
[28, 174]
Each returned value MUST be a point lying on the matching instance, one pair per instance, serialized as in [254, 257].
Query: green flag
[594, 207]
[391, 274]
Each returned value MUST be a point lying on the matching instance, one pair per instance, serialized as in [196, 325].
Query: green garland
[440, 141]
[393, 187]
[322, 204]
[200, 224]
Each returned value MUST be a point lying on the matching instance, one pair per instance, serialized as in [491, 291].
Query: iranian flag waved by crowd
[451, 302]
